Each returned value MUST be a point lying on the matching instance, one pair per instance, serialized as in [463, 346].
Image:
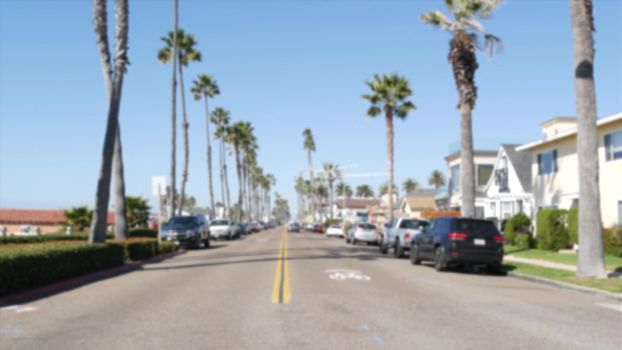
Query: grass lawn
[610, 284]
[613, 262]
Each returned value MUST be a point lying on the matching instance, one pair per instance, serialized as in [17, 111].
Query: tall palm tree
[345, 191]
[409, 185]
[389, 94]
[465, 29]
[185, 48]
[364, 191]
[309, 145]
[235, 137]
[332, 172]
[207, 87]
[299, 187]
[221, 118]
[112, 139]
[591, 259]
[383, 189]
[437, 179]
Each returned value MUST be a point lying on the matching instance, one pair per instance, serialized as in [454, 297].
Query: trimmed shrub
[24, 266]
[612, 241]
[573, 225]
[47, 238]
[143, 232]
[552, 231]
[517, 224]
[167, 247]
[524, 241]
[135, 249]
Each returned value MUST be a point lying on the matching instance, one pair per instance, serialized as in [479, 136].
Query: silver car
[362, 232]
[222, 228]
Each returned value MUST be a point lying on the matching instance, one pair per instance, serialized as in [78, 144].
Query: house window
[613, 146]
[454, 183]
[619, 213]
[479, 212]
[493, 208]
[483, 174]
[547, 162]
[519, 206]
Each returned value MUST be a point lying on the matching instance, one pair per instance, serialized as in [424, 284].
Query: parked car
[308, 227]
[334, 230]
[188, 231]
[450, 241]
[255, 227]
[271, 224]
[238, 230]
[222, 228]
[293, 227]
[362, 232]
[317, 228]
[399, 234]
[262, 225]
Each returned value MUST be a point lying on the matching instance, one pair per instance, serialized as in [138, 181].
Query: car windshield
[367, 226]
[220, 223]
[183, 221]
[482, 227]
[413, 224]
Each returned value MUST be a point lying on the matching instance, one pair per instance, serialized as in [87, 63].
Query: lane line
[281, 293]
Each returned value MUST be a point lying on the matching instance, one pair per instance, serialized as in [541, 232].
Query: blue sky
[284, 66]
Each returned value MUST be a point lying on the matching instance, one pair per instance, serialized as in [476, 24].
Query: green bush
[524, 241]
[552, 231]
[47, 238]
[135, 249]
[167, 247]
[519, 223]
[573, 224]
[612, 241]
[143, 232]
[24, 266]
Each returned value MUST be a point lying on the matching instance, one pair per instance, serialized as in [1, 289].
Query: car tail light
[407, 235]
[455, 253]
[498, 238]
[457, 236]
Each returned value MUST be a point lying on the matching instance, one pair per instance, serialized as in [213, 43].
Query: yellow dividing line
[281, 293]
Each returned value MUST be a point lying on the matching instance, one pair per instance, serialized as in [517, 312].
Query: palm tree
[383, 189]
[235, 135]
[332, 172]
[112, 139]
[299, 187]
[364, 191]
[389, 94]
[206, 87]
[465, 30]
[409, 185]
[309, 145]
[591, 259]
[437, 179]
[221, 118]
[185, 48]
[345, 191]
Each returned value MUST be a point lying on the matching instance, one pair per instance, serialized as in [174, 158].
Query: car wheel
[197, 243]
[347, 240]
[207, 243]
[439, 259]
[383, 247]
[354, 241]
[398, 250]
[414, 255]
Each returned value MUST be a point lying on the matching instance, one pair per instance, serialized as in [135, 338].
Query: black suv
[187, 231]
[450, 241]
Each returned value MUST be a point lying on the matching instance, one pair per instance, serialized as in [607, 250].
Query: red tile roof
[36, 217]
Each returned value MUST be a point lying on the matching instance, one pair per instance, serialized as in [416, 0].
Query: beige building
[416, 202]
[554, 166]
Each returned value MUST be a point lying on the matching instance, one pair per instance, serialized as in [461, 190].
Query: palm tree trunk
[224, 165]
[174, 111]
[389, 120]
[240, 183]
[102, 196]
[591, 259]
[222, 177]
[185, 125]
[209, 161]
[467, 168]
[331, 201]
[120, 220]
[312, 203]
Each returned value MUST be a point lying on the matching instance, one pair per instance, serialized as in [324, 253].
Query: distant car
[362, 232]
[317, 228]
[188, 231]
[450, 241]
[334, 230]
[262, 225]
[222, 228]
[271, 224]
[293, 227]
[255, 227]
[238, 230]
[308, 227]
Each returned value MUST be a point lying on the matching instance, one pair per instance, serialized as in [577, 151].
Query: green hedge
[24, 266]
[168, 247]
[612, 241]
[137, 248]
[525, 241]
[81, 236]
[519, 223]
[143, 232]
[573, 225]
[552, 231]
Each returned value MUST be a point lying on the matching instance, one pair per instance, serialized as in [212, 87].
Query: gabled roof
[521, 162]
[36, 217]
[422, 192]
[419, 203]
[357, 203]
[476, 153]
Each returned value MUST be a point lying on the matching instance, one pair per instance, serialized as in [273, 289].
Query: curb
[84, 279]
[582, 289]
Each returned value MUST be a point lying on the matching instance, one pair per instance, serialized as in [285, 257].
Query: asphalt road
[264, 293]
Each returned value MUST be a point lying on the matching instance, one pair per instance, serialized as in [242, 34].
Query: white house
[354, 209]
[484, 165]
[508, 190]
[554, 166]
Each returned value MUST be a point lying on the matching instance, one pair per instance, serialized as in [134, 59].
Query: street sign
[158, 185]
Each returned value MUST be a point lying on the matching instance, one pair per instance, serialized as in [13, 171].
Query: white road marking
[616, 307]
[343, 274]
[19, 309]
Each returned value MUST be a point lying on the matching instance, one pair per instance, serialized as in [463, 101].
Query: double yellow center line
[281, 293]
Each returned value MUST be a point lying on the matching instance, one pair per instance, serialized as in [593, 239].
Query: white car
[334, 230]
[362, 232]
[222, 228]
